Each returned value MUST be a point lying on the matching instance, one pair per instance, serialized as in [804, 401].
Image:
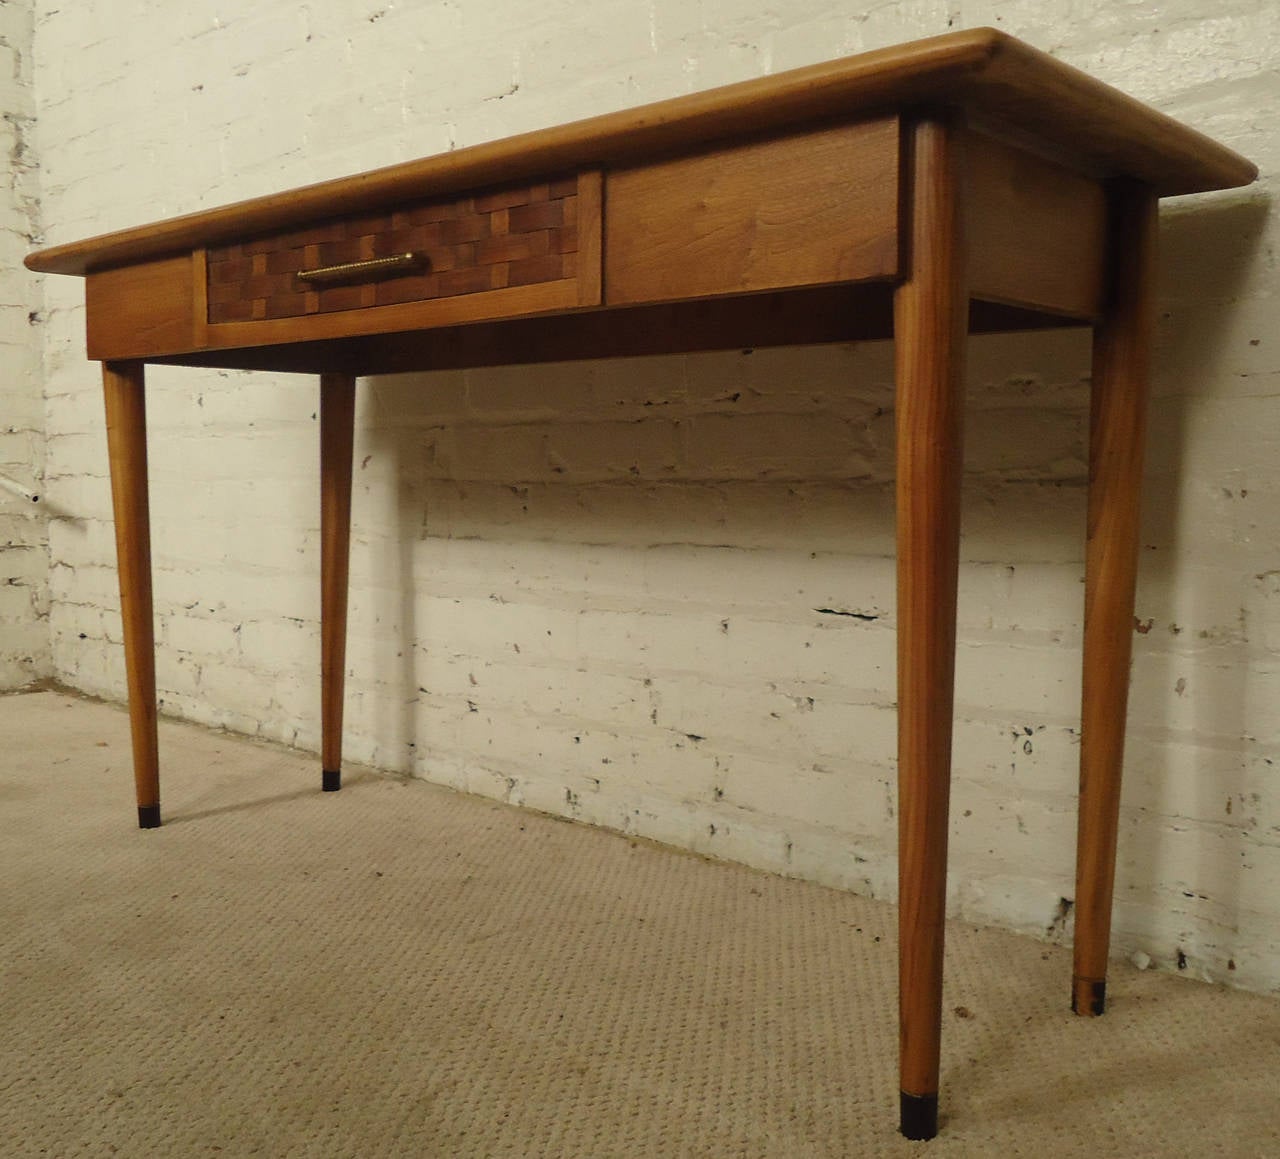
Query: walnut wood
[1037, 231]
[930, 315]
[997, 78]
[857, 312]
[824, 210]
[138, 311]
[199, 299]
[509, 302]
[123, 391]
[337, 426]
[514, 236]
[802, 209]
[590, 206]
[1121, 361]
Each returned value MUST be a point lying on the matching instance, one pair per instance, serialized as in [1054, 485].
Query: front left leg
[337, 427]
[123, 385]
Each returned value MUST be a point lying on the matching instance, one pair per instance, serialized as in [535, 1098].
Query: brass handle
[364, 271]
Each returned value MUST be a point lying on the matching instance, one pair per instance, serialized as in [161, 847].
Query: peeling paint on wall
[24, 549]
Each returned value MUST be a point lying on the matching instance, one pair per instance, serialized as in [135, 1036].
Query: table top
[1005, 87]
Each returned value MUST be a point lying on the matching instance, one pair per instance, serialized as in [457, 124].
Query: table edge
[998, 78]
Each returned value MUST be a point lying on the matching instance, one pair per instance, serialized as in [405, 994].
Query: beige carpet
[398, 970]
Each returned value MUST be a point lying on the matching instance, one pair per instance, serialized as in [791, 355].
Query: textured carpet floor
[398, 970]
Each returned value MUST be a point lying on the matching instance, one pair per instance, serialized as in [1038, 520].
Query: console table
[962, 183]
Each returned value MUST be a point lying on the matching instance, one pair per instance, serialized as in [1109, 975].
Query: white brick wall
[24, 550]
[613, 591]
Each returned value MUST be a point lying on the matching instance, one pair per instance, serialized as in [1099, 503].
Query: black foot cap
[148, 816]
[919, 1116]
[331, 780]
[1094, 995]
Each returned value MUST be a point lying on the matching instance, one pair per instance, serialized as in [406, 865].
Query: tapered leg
[1121, 361]
[337, 424]
[930, 328]
[123, 390]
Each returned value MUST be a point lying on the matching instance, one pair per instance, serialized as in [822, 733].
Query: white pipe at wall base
[18, 489]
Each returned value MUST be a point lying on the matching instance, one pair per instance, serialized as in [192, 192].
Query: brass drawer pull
[364, 271]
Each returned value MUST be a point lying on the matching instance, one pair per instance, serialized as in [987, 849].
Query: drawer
[496, 253]
[470, 247]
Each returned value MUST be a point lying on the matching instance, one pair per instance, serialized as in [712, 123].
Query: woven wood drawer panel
[510, 237]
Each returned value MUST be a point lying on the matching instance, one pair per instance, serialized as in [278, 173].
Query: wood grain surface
[123, 391]
[140, 310]
[803, 209]
[1037, 231]
[487, 241]
[930, 323]
[1117, 438]
[998, 80]
[337, 428]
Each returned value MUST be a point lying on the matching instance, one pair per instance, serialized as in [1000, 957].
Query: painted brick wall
[657, 595]
[24, 550]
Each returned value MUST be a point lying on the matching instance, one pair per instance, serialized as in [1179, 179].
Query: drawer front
[523, 236]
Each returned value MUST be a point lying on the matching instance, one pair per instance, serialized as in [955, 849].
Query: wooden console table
[962, 183]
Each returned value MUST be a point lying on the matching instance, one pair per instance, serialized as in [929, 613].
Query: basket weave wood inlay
[511, 237]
